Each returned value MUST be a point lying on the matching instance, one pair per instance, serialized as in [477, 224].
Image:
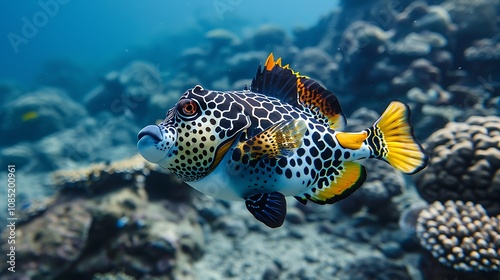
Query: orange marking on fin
[307, 92]
[270, 62]
[351, 140]
[314, 96]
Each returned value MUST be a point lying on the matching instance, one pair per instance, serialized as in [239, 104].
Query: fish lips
[154, 143]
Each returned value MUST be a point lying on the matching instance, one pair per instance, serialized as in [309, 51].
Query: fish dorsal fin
[300, 91]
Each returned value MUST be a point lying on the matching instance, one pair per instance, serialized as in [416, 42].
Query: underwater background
[78, 80]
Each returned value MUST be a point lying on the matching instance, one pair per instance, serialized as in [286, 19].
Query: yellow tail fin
[397, 144]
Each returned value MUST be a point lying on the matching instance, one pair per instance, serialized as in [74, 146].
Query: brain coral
[464, 163]
[460, 235]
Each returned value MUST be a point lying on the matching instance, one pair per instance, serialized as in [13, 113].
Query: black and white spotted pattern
[204, 153]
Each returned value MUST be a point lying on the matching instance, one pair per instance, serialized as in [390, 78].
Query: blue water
[93, 33]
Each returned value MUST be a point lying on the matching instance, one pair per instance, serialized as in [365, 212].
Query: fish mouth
[152, 131]
[153, 144]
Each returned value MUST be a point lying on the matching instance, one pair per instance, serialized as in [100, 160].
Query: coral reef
[269, 38]
[96, 177]
[49, 244]
[86, 141]
[239, 65]
[377, 46]
[483, 50]
[421, 81]
[483, 57]
[409, 216]
[124, 216]
[475, 19]
[129, 219]
[460, 235]
[129, 89]
[113, 276]
[374, 268]
[135, 171]
[419, 16]
[362, 45]
[221, 38]
[317, 64]
[37, 114]
[464, 163]
[133, 234]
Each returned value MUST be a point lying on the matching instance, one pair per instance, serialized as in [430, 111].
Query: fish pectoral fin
[349, 178]
[278, 140]
[269, 208]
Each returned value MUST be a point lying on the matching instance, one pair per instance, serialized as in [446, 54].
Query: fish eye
[187, 108]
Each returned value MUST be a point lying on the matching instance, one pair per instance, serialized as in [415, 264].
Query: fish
[281, 137]
[30, 115]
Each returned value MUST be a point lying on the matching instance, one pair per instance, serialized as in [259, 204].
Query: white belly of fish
[217, 184]
[225, 183]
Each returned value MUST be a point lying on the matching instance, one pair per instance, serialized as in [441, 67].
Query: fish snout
[152, 131]
[154, 144]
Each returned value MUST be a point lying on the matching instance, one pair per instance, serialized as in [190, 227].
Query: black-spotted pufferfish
[282, 137]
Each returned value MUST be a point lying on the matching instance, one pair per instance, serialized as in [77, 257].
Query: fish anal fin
[351, 140]
[351, 176]
[268, 208]
[278, 140]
